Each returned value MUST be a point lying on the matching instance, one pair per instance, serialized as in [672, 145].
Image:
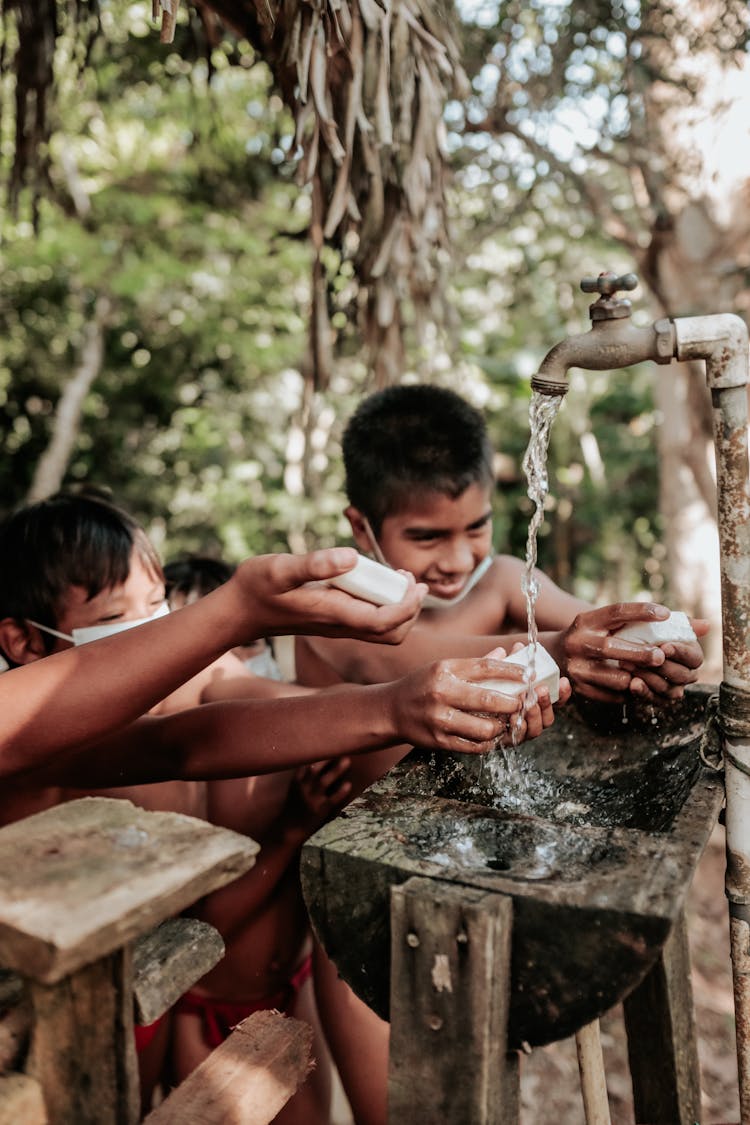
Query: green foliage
[197, 236]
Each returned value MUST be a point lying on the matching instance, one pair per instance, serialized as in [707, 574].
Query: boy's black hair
[196, 575]
[410, 440]
[70, 539]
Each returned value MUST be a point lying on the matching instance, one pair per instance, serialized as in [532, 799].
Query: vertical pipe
[730, 434]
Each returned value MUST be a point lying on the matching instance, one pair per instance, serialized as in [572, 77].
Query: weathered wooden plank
[450, 988]
[245, 1081]
[86, 877]
[168, 960]
[82, 1049]
[592, 1075]
[662, 1045]
[21, 1101]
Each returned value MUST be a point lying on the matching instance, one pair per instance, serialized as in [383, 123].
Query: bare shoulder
[506, 573]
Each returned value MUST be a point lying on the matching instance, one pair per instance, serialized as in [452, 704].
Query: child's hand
[682, 663]
[601, 666]
[535, 717]
[443, 705]
[322, 789]
[609, 669]
[288, 594]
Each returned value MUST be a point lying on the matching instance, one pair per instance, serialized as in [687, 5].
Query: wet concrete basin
[594, 833]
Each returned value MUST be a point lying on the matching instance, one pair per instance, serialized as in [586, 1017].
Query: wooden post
[593, 1078]
[82, 1049]
[450, 974]
[662, 1046]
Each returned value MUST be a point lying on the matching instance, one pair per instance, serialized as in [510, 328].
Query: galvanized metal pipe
[722, 342]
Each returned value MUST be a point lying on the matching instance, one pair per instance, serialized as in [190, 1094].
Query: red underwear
[218, 1017]
[145, 1033]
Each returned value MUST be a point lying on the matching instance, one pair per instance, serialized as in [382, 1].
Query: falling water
[543, 410]
[542, 413]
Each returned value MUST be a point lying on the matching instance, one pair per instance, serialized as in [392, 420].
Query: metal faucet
[721, 342]
[613, 342]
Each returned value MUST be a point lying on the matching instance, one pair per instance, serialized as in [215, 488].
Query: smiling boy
[419, 482]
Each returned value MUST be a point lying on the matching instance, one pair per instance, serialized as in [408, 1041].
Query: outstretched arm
[442, 705]
[79, 695]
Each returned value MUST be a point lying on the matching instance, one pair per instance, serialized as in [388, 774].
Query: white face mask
[95, 632]
[430, 601]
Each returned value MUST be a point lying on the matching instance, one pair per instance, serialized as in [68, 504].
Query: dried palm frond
[367, 81]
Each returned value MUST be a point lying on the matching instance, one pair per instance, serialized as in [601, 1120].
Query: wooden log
[82, 1049]
[662, 1044]
[245, 1081]
[450, 990]
[168, 961]
[21, 1101]
[85, 878]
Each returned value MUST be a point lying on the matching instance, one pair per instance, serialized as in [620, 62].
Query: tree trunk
[54, 461]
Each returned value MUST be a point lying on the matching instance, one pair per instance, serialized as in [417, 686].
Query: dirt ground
[550, 1089]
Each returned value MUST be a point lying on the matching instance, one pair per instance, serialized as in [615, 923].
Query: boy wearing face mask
[77, 569]
[419, 482]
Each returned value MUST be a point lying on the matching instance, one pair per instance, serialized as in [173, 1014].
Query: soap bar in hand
[372, 582]
[676, 628]
[546, 673]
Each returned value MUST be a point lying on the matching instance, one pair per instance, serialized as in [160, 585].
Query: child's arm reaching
[77, 696]
[441, 706]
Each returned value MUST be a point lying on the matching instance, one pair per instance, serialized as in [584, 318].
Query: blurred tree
[575, 144]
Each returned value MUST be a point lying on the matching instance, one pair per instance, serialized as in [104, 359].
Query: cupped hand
[320, 790]
[443, 705]
[601, 666]
[682, 662]
[289, 594]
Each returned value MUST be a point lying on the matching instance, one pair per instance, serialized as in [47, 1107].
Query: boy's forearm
[235, 739]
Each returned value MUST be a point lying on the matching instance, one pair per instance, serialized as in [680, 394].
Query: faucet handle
[608, 283]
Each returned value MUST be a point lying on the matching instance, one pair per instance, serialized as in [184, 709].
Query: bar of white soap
[372, 582]
[546, 673]
[677, 627]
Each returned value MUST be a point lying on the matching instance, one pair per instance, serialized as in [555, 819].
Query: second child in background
[261, 916]
[189, 578]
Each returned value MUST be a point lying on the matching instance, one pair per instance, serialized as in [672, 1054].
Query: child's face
[439, 539]
[138, 597]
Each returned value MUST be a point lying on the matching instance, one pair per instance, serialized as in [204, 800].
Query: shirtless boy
[419, 483]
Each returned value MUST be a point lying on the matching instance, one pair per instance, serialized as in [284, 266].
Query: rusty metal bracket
[711, 749]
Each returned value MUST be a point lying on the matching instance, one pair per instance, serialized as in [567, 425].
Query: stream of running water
[506, 765]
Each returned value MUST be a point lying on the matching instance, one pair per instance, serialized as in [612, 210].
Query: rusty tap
[613, 341]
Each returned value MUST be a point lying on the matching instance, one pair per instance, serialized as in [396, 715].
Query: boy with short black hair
[419, 483]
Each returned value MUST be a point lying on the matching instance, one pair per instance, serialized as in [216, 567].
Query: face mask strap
[50, 630]
[375, 546]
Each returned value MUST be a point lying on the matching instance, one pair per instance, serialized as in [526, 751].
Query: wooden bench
[80, 884]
